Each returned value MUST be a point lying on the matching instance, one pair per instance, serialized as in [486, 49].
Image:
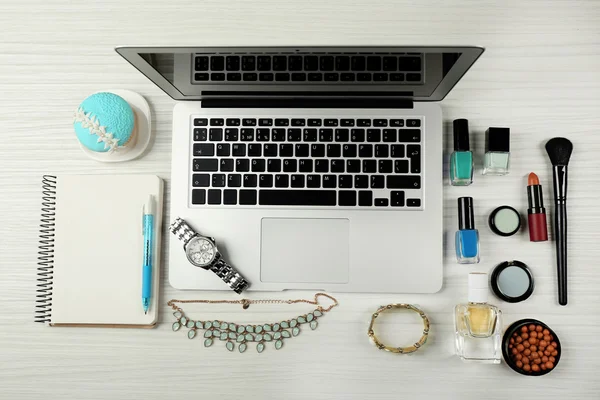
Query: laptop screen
[417, 73]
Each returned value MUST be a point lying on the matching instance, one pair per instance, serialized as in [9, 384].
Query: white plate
[143, 127]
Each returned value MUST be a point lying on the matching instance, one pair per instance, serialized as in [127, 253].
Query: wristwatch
[202, 252]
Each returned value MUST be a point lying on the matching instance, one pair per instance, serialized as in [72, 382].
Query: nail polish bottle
[497, 151]
[467, 237]
[461, 160]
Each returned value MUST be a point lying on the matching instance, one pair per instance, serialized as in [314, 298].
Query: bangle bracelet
[400, 350]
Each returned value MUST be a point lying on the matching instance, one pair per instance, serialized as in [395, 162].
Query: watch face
[201, 251]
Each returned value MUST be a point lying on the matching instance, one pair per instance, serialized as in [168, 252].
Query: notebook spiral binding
[45, 273]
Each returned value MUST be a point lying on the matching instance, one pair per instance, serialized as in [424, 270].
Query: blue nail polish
[467, 237]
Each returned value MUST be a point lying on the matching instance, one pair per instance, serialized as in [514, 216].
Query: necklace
[232, 333]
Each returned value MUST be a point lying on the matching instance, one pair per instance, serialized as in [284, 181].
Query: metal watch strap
[223, 270]
[230, 276]
[182, 231]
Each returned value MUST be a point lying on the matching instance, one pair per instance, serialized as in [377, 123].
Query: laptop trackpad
[308, 250]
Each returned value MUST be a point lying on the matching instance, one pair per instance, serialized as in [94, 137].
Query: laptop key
[298, 77]
[247, 134]
[347, 122]
[248, 197]
[230, 196]
[263, 63]
[358, 63]
[345, 181]
[389, 136]
[342, 135]
[395, 77]
[314, 122]
[278, 134]
[313, 181]
[286, 150]
[294, 135]
[217, 63]
[201, 63]
[374, 63]
[365, 198]
[234, 77]
[250, 76]
[200, 122]
[265, 181]
[363, 77]
[201, 180]
[317, 150]
[413, 202]
[297, 181]
[282, 77]
[315, 77]
[338, 165]
[242, 165]
[380, 77]
[214, 196]
[342, 63]
[298, 122]
[305, 165]
[369, 166]
[226, 165]
[380, 122]
[329, 181]
[347, 77]
[397, 150]
[403, 182]
[282, 181]
[331, 122]
[279, 63]
[321, 165]
[206, 164]
[353, 166]
[216, 134]
[295, 63]
[282, 122]
[377, 182]
[217, 76]
[326, 63]
[311, 63]
[234, 180]
[409, 63]
[347, 198]
[199, 196]
[413, 123]
[290, 165]
[381, 202]
[238, 150]
[254, 150]
[390, 63]
[263, 134]
[204, 149]
[401, 166]
[373, 135]
[385, 166]
[249, 121]
[270, 150]
[349, 150]
[290, 197]
[200, 134]
[265, 122]
[310, 135]
[361, 181]
[413, 151]
[223, 149]
[397, 199]
[334, 150]
[409, 135]
[331, 77]
[274, 165]
[258, 165]
[248, 63]
[357, 135]
[413, 77]
[232, 121]
[382, 151]
[231, 134]
[365, 150]
[397, 122]
[218, 180]
[266, 77]
[363, 122]
[302, 150]
[201, 76]
[217, 121]
[250, 180]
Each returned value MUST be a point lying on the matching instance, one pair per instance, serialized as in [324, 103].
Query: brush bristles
[559, 150]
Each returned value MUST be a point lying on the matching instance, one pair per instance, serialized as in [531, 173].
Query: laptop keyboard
[320, 162]
[325, 68]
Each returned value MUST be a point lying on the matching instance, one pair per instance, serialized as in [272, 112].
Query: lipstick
[536, 213]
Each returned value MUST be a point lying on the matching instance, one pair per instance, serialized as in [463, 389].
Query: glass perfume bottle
[497, 151]
[461, 160]
[467, 237]
[478, 325]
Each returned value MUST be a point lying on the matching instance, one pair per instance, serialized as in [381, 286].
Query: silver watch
[202, 251]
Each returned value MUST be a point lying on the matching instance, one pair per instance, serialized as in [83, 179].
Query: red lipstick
[536, 213]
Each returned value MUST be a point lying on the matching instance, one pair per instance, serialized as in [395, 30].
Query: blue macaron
[104, 122]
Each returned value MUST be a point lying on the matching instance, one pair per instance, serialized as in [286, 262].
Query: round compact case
[505, 221]
[512, 281]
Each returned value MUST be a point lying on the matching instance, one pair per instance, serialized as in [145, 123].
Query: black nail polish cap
[466, 216]
[461, 135]
[497, 140]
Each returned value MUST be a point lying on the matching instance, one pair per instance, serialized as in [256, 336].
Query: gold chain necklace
[232, 333]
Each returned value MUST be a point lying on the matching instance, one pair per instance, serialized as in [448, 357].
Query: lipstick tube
[536, 213]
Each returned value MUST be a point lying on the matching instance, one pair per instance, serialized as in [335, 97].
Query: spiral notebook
[90, 258]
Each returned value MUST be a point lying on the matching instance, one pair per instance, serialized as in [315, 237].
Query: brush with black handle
[559, 150]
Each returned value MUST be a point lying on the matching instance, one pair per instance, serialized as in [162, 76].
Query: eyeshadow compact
[512, 281]
[505, 221]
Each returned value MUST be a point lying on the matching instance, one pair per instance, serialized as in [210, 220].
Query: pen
[148, 233]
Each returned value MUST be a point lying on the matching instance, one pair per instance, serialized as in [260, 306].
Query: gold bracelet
[400, 350]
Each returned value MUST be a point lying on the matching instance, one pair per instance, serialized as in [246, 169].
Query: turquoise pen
[148, 233]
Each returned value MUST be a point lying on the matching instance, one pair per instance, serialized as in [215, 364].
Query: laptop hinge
[363, 103]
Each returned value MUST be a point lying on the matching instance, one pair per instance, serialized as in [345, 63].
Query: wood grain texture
[540, 76]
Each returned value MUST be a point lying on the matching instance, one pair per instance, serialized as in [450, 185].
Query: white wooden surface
[540, 76]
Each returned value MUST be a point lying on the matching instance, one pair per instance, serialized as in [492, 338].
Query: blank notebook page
[98, 249]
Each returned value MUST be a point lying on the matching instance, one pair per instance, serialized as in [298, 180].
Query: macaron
[105, 122]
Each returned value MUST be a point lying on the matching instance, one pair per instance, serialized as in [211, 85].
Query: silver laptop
[313, 167]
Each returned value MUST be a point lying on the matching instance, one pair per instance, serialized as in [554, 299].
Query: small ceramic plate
[143, 127]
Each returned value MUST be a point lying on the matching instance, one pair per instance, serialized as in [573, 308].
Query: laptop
[315, 168]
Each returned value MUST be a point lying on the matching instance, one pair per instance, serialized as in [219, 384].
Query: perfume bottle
[497, 151]
[478, 325]
[467, 237]
[461, 160]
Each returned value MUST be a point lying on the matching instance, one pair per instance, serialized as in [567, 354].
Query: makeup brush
[559, 150]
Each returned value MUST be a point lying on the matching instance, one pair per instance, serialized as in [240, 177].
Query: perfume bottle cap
[497, 140]
[466, 217]
[478, 287]
[461, 135]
